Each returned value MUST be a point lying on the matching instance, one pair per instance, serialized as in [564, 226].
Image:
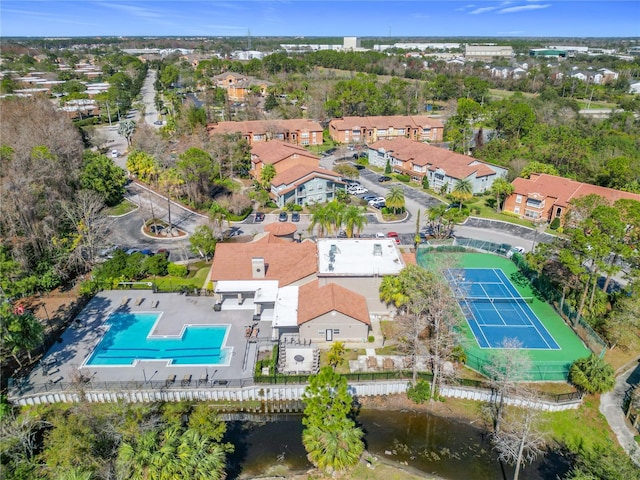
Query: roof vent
[257, 267]
[377, 250]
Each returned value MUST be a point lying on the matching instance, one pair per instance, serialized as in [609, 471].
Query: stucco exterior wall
[346, 327]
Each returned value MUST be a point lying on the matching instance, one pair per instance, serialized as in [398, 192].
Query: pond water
[435, 445]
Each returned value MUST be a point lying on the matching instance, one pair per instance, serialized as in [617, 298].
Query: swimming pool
[129, 339]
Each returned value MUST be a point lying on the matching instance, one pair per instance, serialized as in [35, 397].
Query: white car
[376, 200]
[512, 250]
[380, 235]
[115, 153]
[358, 191]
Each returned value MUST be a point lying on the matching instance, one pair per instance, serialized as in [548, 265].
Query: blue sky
[380, 18]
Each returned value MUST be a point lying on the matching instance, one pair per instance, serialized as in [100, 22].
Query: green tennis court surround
[547, 364]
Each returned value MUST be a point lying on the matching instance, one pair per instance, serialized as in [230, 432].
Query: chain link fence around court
[550, 293]
[548, 371]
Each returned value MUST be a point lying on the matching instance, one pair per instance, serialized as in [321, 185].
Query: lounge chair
[388, 364]
[247, 332]
[254, 333]
[204, 378]
[154, 304]
[57, 379]
[186, 380]
[139, 300]
[372, 362]
[171, 379]
[125, 301]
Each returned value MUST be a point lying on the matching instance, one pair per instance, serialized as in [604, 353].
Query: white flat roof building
[358, 257]
[266, 291]
[286, 308]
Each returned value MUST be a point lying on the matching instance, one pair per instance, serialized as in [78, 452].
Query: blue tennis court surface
[496, 311]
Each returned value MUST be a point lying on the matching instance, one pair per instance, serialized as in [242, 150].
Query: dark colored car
[283, 217]
[295, 217]
[259, 217]
[384, 178]
[358, 166]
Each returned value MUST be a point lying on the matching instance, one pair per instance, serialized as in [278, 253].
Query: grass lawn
[122, 208]
[195, 278]
[485, 211]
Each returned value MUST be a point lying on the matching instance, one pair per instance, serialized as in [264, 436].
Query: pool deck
[65, 361]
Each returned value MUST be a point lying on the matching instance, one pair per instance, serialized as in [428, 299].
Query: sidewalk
[611, 408]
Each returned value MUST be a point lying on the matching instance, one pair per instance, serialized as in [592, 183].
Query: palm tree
[462, 191]
[217, 215]
[335, 446]
[320, 217]
[392, 291]
[267, 174]
[335, 213]
[336, 354]
[354, 219]
[592, 375]
[395, 199]
[501, 188]
[200, 457]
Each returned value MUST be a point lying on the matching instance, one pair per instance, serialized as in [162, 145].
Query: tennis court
[495, 310]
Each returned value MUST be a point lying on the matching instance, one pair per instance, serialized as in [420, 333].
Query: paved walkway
[611, 408]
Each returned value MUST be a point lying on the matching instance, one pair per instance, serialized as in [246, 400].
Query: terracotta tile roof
[395, 121]
[409, 258]
[563, 190]
[314, 301]
[280, 229]
[277, 150]
[454, 164]
[264, 126]
[298, 172]
[286, 261]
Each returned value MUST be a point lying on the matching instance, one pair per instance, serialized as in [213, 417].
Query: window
[516, 210]
[532, 202]
[336, 331]
[519, 199]
[305, 142]
[321, 332]
[558, 212]
[304, 135]
[258, 137]
[401, 131]
[531, 214]
[439, 176]
[310, 187]
[382, 132]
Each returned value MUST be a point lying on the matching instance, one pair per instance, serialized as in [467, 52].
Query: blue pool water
[128, 340]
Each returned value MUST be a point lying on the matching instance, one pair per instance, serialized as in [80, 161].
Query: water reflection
[440, 446]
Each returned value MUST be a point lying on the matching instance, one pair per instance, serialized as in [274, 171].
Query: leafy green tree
[387, 167]
[270, 102]
[513, 118]
[101, 175]
[197, 170]
[395, 199]
[203, 241]
[462, 191]
[143, 166]
[347, 170]
[592, 375]
[169, 75]
[392, 291]
[332, 440]
[501, 188]
[20, 331]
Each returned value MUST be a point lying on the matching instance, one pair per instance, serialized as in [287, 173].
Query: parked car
[158, 122]
[376, 200]
[384, 178]
[146, 251]
[295, 216]
[369, 197]
[395, 236]
[328, 152]
[115, 153]
[378, 205]
[131, 251]
[380, 235]
[358, 191]
[513, 250]
[283, 217]
[357, 166]
[360, 155]
[259, 217]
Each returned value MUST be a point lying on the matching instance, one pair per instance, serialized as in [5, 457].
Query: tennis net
[496, 300]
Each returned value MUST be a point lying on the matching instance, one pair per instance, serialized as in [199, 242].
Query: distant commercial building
[351, 43]
[547, 52]
[487, 52]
